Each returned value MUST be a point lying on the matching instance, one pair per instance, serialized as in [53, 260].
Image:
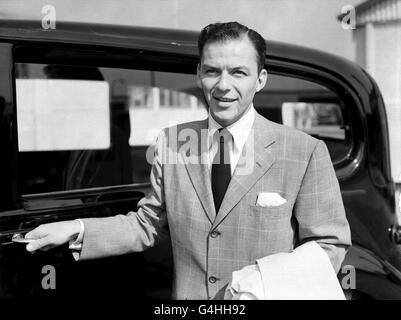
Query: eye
[211, 71]
[239, 73]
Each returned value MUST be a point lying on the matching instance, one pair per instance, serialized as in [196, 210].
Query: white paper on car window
[58, 114]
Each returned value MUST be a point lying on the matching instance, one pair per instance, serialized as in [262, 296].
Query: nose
[223, 83]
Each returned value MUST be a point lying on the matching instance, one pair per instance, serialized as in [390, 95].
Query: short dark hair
[220, 32]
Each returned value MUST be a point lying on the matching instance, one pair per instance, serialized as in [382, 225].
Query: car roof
[164, 40]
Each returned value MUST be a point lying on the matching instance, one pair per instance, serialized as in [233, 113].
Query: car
[80, 107]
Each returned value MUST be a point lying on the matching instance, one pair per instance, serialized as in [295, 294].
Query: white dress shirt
[239, 131]
[76, 245]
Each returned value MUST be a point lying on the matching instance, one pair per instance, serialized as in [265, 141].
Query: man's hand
[51, 235]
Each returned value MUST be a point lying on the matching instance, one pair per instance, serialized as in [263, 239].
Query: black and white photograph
[155, 151]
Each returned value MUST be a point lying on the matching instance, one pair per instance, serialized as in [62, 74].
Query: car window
[307, 106]
[83, 127]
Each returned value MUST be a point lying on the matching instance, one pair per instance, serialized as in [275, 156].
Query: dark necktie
[221, 170]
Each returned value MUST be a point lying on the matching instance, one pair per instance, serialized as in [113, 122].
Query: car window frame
[351, 104]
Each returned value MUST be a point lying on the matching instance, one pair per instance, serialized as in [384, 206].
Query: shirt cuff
[76, 245]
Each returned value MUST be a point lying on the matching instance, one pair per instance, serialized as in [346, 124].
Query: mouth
[222, 99]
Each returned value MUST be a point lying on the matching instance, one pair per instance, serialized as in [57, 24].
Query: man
[232, 188]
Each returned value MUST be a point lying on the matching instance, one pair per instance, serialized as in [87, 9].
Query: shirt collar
[239, 130]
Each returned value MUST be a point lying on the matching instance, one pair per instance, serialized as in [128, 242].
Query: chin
[224, 118]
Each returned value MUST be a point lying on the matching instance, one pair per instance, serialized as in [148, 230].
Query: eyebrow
[240, 67]
[208, 66]
[234, 68]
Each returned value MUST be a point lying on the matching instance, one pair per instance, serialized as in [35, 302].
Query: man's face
[228, 75]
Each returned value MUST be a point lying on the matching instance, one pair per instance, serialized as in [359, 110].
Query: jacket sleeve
[135, 231]
[319, 208]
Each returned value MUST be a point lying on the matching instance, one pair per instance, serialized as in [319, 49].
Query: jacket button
[212, 279]
[215, 234]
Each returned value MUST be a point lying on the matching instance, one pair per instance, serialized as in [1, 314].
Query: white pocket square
[269, 199]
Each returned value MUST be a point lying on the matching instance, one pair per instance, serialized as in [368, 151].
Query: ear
[262, 79]
[198, 77]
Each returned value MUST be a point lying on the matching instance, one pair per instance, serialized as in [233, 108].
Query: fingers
[51, 235]
[39, 244]
[35, 233]
[31, 235]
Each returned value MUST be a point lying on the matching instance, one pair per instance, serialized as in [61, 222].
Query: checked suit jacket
[209, 246]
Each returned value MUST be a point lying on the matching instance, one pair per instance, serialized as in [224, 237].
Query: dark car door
[78, 131]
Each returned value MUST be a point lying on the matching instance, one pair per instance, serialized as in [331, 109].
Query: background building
[377, 39]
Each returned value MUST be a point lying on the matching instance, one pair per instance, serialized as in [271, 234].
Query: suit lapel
[255, 160]
[196, 163]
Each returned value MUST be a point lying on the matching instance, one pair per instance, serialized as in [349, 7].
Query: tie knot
[223, 139]
[224, 135]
